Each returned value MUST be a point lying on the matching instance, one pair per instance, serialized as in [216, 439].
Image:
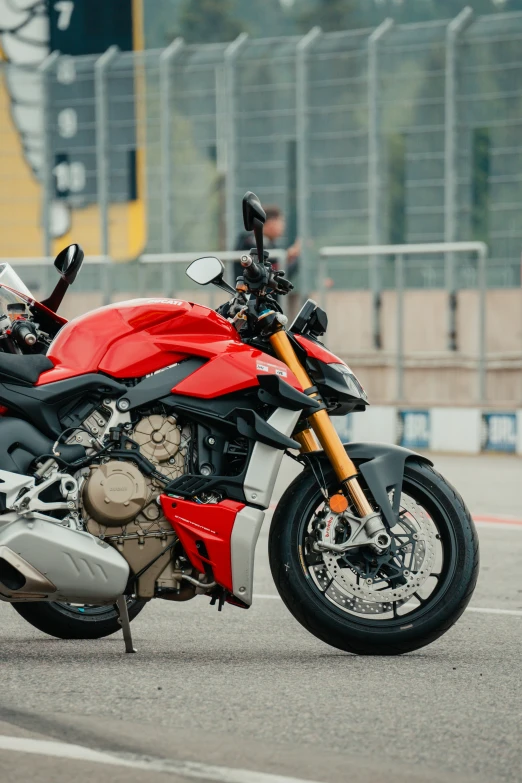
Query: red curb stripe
[490, 520]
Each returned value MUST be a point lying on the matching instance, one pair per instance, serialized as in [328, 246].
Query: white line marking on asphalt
[511, 612]
[187, 769]
[497, 526]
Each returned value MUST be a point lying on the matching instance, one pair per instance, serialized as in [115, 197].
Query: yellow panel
[20, 195]
[21, 231]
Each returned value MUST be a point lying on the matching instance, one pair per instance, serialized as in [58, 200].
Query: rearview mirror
[254, 217]
[68, 262]
[252, 210]
[205, 270]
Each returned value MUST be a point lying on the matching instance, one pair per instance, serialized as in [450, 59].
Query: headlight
[352, 384]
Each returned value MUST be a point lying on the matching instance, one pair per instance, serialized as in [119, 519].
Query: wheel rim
[91, 612]
[410, 578]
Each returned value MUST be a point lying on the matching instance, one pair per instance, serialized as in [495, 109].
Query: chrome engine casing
[45, 561]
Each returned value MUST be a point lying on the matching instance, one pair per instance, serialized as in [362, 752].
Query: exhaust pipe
[43, 561]
[19, 580]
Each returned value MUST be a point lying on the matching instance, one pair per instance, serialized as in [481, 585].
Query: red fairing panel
[317, 351]
[132, 339]
[211, 523]
[234, 369]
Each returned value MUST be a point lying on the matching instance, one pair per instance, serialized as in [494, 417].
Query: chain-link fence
[402, 134]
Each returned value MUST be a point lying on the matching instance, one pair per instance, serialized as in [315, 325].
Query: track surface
[251, 692]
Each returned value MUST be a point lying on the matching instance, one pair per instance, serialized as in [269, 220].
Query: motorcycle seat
[23, 370]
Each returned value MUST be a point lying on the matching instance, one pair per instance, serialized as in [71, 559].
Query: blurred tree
[163, 18]
[267, 19]
[329, 15]
[371, 12]
[209, 21]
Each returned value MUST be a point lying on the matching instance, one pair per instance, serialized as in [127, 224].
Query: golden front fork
[321, 424]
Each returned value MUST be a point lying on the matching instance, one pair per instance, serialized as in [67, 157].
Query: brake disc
[412, 555]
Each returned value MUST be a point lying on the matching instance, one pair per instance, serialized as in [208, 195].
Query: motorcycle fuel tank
[135, 338]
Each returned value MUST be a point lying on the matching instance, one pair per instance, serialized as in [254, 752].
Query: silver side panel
[242, 546]
[265, 462]
[60, 564]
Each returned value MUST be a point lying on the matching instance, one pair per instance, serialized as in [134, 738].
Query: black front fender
[382, 467]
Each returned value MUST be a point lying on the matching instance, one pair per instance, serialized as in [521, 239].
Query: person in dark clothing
[273, 230]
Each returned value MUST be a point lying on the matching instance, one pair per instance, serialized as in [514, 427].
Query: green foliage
[329, 15]
[209, 21]
[370, 12]
[397, 229]
[221, 20]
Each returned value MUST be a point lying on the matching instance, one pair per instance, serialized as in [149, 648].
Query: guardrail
[375, 252]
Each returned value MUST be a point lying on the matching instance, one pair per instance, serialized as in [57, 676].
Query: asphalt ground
[251, 697]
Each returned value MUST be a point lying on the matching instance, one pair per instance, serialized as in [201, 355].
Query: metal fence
[402, 134]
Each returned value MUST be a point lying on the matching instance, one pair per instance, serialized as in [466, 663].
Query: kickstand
[124, 621]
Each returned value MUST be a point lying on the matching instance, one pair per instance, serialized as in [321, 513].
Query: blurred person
[273, 230]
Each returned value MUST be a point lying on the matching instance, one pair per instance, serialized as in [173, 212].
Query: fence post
[47, 160]
[303, 185]
[482, 283]
[165, 68]
[453, 30]
[232, 209]
[103, 160]
[374, 173]
[323, 271]
[399, 293]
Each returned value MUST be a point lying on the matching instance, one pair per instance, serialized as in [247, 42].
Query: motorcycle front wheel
[75, 621]
[377, 604]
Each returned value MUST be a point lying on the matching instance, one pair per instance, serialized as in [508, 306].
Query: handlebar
[24, 332]
[257, 275]
[253, 272]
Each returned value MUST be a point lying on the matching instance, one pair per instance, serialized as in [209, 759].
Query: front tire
[74, 621]
[326, 595]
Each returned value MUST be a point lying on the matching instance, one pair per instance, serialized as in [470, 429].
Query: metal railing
[398, 252]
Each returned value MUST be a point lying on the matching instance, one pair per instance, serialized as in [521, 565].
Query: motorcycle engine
[120, 505]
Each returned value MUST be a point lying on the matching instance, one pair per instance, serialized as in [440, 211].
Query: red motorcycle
[139, 456]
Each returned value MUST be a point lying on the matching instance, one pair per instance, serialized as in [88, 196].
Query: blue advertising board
[414, 429]
[499, 432]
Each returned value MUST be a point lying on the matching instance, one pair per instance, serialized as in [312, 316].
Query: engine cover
[120, 505]
[115, 493]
